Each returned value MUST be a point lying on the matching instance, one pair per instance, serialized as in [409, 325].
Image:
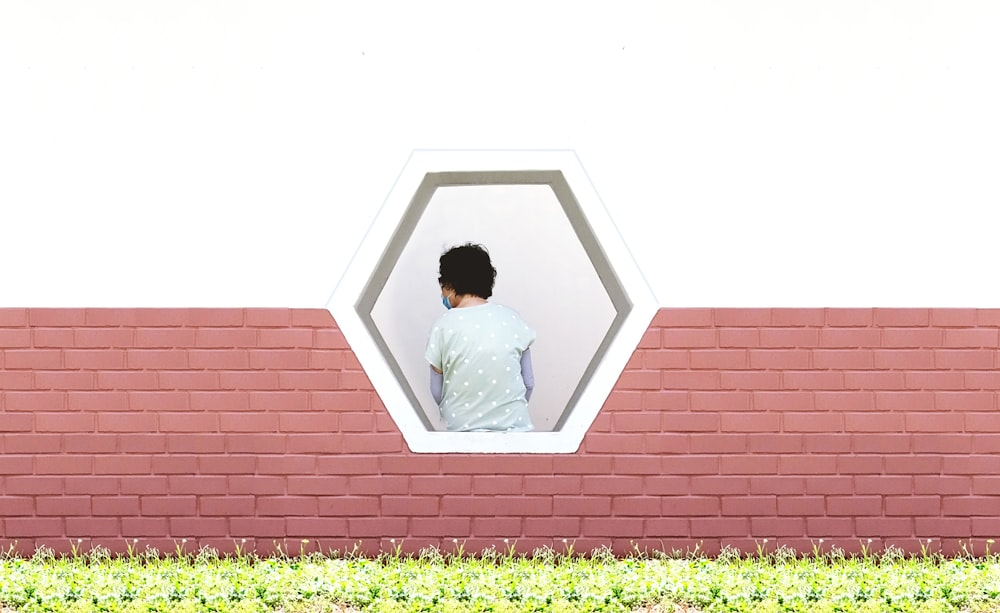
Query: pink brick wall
[728, 426]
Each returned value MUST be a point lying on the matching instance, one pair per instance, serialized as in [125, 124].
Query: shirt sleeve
[434, 350]
[527, 374]
[437, 382]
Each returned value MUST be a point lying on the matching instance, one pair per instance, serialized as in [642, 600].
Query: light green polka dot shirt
[478, 349]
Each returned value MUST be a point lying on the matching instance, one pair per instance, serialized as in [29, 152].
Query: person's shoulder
[504, 310]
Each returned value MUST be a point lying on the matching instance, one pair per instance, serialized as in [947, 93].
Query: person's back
[481, 374]
[479, 349]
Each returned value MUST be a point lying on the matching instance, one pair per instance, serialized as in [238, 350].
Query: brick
[494, 484]
[924, 380]
[985, 443]
[617, 526]
[195, 443]
[663, 359]
[742, 317]
[677, 338]
[750, 422]
[720, 485]
[188, 422]
[812, 380]
[966, 505]
[718, 443]
[232, 465]
[854, 505]
[684, 380]
[719, 527]
[218, 359]
[12, 380]
[316, 527]
[801, 505]
[90, 443]
[143, 485]
[882, 443]
[775, 484]
[673, 400]
[248, 422]
[324, 360]
[552, 526]
[718, 359]
[913, 464]
[874, 422]
[94, 359]
[780, 359]
[287, 465]
[168, 505]
[269, 443]
[884, 526]
[314, 318]
[904, 401]
[797, 317]
[802, 464]
[905, 359]
[953, 317]
[248, 380]
[28, 359]
[61, 465]
[12, 337]
[196, 527]
[789, 337]
[115, 505]
[844, 359]
[739, 337]
[97, 401]
[257, 527]
[639, 380]
[634, 422]
[377, 485]
[979, 337]
[33, 527]
[62, 505]
[56, 317]
[829, 527]
[225, 337]
[874, 380]
[32, 444]
[321, 380]
[16, 505]
[832, 442]
[682, 318]
[65, 380]
[283, 359]
[691, 465]
[859, 464]
[440, 526]
[720, 401]
[407, 464]
[650, 339]
[156, 401]
[981, 380]
[844, 338]
[965, 401]
[783, 401]
[13, 318]
[350, 506]
[64, 422]
[614, 485]
[18, 465]
[898, 485]
[778, 526]
[965, 359]
[943, 485]
[263, 318]
[288, 338]
[308, 422]
[982, 422]
[33, 402]
[666, 485]
[315, 443]
[180, 380]
[286, 505]
[934, 422]
[970, 465]
[775, 443]
[462, 484]
[580, 464]
[201, 485]
[164, 337]
[581, 505]
[752, 464]
[250, 484]
[377, 527]
[750, 380]
[373, 443]
[912, 337]
[887, 317]
[222, 400]
[123, 465]
[355, 465]
[812, 422]
[943, 527]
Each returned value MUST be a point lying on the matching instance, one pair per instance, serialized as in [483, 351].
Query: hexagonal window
[560, 263]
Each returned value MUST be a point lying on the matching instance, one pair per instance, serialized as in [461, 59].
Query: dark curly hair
[467, 270]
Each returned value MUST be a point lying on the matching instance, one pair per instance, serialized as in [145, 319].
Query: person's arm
[527, 375]
[437, 382]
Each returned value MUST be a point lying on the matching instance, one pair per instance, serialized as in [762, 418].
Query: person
[480, 362]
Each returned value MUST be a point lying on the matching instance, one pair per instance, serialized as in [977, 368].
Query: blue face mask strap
[447, 304]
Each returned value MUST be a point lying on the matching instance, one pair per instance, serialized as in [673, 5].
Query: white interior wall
[542, 271]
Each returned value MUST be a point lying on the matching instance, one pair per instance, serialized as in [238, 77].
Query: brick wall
[729, 426]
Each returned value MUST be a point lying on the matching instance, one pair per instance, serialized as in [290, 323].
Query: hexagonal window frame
[354, 298]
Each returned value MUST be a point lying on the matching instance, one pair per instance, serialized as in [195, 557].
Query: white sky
[233, 153]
